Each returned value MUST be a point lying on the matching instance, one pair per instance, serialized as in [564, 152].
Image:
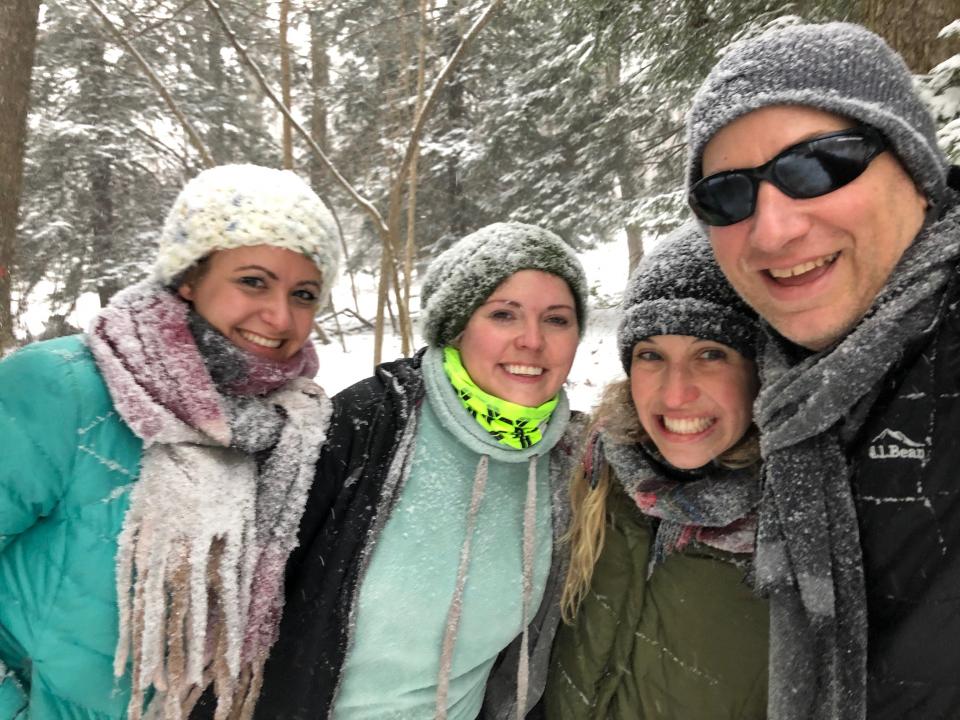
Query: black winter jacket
[906, 483]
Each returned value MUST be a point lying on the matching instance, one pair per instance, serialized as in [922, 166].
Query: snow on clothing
[362, 481]
[464, 276]
[861, 603]
[671, 634]
[233, 206]
[678, 289]
[125, 456]
[841, 68]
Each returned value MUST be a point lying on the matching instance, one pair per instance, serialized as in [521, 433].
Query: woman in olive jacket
[662, 622]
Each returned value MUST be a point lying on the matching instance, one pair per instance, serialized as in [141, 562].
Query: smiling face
[262, 298]
[519, 345]
[693, 397]
[812, 267]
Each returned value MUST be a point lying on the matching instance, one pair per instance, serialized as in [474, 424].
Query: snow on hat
[678, 289]
[837, 67]
[234, 206]
[461, 279]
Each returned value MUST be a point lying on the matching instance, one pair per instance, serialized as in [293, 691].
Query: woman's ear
[185, 291]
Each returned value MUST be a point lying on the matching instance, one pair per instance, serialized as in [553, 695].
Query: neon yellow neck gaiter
[512, 424]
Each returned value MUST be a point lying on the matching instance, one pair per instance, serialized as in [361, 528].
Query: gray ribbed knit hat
[463, 277]
[838, 67]
[678, 289]
[233, 206]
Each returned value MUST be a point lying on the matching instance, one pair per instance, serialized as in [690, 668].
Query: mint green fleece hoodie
[392, 667]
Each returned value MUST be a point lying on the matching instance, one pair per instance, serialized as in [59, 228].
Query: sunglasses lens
[807, 170]
[822, 166]
[724, 199]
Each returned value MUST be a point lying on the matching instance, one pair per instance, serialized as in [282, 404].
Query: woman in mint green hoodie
[428, 577]
[154, 470]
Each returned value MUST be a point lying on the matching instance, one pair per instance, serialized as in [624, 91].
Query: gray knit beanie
[838, 67]
[233, 206]
[462, 278]
[678, 289]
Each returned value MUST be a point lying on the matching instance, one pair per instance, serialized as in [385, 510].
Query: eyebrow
[272, 275]
[514, 303]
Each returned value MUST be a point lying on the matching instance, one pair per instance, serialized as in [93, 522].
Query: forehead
[533, 284]
[758, 136]
[276, 259]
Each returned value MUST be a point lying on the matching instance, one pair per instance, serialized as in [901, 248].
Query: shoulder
[394, 384]
[49, 356]
[53, 371]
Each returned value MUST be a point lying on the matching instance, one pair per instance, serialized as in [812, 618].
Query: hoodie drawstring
[529, 531]
[456, 604]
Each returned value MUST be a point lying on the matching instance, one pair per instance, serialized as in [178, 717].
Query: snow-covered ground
[596, 364]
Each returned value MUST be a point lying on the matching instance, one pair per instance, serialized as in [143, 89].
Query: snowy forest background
[417, 121]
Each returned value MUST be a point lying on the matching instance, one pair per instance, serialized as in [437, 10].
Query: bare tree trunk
[285, 83]
[456, 117]
[912, 27]
[93, 85]
[217, 134]
[412, 181]
[18, 36]
[320, 82]
[320, 73]
[624, 169]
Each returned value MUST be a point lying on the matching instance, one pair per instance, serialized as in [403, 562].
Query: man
[814, 166]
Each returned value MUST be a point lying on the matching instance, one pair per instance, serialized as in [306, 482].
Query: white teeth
[803, 267]
[260, 340]
[523, 370]
[687, 426]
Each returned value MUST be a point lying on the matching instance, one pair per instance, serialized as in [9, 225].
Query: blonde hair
[616, 416]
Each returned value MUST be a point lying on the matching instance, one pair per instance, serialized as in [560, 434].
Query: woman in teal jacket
[155, 469]
[662, 621]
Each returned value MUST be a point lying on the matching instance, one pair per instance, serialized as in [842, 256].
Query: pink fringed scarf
[204, 544]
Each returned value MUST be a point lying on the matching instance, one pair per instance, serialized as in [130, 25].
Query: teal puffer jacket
[66, 467]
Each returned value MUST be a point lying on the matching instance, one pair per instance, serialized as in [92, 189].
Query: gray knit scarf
[713, 505]
[808, 555]
[229, 447]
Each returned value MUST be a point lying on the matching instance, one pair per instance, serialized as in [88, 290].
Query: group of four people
[758, 521]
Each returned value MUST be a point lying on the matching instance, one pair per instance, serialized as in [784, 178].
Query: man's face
[812, 267]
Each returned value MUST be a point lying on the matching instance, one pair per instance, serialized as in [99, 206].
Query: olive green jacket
[688, 643]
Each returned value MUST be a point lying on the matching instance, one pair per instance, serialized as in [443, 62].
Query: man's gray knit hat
[838, 67]
[678, 289]
[462, 278]
[234, 206]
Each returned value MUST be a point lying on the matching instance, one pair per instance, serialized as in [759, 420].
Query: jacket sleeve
[39, 436]
[13, 699]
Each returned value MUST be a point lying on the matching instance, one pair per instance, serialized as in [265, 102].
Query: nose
[531, 335]
[777, 219]
[678, 387]
[276, 312]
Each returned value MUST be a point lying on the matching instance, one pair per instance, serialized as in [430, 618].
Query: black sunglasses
[805, 170]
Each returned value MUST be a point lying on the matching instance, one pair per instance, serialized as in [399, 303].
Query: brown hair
[616, 415]
[193, 274]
